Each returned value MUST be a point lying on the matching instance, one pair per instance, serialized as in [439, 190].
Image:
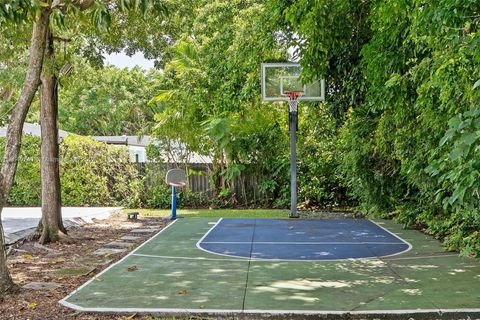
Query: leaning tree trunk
[15, 127]
[52, 225]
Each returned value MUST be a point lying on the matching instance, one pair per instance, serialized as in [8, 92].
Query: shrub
[91, 173]
[95, 173]
[26, 190]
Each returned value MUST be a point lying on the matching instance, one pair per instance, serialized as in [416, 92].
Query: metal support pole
[174, 203]
[293, 126]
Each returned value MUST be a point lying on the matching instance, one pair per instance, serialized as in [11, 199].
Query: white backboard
[277, 78]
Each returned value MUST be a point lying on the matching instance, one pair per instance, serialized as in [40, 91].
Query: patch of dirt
[69, 263]
[329, 214]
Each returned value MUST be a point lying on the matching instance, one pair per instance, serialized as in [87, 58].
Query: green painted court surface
[173, 276]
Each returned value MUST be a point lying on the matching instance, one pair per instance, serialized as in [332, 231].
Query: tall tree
[107, 101]
[22, 11]
[15, 127]
[212, 91]
[51, 223]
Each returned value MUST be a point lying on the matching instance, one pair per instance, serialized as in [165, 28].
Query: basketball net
[293, 99]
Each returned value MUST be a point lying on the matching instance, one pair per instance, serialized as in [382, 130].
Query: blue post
[174, 203]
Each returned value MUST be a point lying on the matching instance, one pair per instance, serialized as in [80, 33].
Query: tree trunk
[52, 224]
[15, 127]
[6, 282]
[244, 190]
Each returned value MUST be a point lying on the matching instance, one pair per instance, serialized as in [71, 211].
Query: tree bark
[52, 224]
[15, 128]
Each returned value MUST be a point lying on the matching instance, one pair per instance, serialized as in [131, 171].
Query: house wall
[138, 154]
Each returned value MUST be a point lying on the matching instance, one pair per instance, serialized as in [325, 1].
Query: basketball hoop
[281, 81]
[293, 99]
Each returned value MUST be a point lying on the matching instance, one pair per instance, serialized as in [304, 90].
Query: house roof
[33, 129]
[125, 140]
[177, 149]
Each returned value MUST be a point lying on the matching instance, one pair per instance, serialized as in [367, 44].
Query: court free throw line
[298, 243]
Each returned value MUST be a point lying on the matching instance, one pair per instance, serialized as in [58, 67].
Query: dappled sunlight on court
[413, 292]
[303, 284]
[297, 297]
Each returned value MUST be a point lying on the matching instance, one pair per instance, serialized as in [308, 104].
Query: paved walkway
[19, 222]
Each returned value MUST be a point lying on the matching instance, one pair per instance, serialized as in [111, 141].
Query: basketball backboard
[176, 178]
[279, 78]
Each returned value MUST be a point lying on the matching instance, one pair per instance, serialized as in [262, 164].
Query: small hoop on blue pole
[175, 178]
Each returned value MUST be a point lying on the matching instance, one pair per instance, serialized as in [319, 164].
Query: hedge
[92, 174]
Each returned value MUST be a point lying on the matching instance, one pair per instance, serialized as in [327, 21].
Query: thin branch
[62, 39]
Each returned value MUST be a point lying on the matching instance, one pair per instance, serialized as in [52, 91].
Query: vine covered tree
[405, 76]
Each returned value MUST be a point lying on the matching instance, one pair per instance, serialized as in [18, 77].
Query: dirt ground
[69, 263]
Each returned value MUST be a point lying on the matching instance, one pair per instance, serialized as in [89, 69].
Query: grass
[214, 213]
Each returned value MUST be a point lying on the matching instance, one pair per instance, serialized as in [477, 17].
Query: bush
[95, 173]
[26, 189]
[92, 173]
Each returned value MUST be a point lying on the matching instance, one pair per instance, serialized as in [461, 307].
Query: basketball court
[284, 266]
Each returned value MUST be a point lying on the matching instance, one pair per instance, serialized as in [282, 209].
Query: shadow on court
[274, 266]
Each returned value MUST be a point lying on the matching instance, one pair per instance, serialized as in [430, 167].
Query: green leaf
[393, 81]
[448, 135]
[455, 121]
[476, 84]
[457, 153]
[469, 138]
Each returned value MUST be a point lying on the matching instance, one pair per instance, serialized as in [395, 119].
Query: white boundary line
[300, 243]
[187, 258]
[393, 234]
[306, 260]
[205, 235]
[68, 304]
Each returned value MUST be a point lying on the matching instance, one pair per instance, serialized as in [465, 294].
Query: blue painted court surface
[282, 239]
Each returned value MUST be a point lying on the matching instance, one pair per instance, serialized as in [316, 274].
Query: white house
[137, 145]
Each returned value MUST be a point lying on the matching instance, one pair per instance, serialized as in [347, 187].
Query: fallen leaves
[32, 305]
[30, 262]
[183, 292]
[59, 260]
[132, 268]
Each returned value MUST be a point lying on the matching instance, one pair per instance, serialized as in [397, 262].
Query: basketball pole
[174, 203]
[293, 127]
